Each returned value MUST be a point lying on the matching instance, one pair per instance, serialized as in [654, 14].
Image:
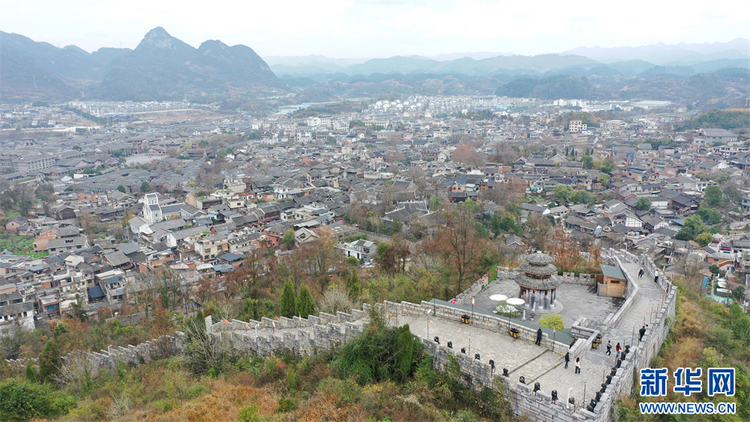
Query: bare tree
[504, 153]
[692, 271]
[78, 373]
[334, 300]
[204, 351]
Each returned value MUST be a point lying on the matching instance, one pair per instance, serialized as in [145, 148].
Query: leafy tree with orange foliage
[459, 245]
[467, 154]
[568, 254]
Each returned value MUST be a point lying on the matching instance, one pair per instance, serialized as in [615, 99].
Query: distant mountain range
[160, 68]
[734, 53]
[165, 68]
[663, 54]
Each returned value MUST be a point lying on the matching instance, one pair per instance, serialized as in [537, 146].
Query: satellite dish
[598, 230]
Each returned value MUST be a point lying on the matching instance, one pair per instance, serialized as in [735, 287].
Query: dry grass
[324, 408]
[224, 403]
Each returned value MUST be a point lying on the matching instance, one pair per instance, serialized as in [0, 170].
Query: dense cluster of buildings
[194, 198]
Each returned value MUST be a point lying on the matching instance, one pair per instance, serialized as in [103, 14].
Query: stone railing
[582, 279]
[476, 374]
[492, 323]
[158, 348]
[304, 336]
[504, 273]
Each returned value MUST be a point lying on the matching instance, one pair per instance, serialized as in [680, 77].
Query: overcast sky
[371, 28]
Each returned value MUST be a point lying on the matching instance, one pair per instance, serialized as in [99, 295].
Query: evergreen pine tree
[305, 303]
[49, 362]
[353, 286]
[288, 299]
[404, 352]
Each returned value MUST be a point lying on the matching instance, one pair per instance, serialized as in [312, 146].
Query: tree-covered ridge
[723, 119]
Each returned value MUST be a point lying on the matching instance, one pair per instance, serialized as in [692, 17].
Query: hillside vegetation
[706, 335]
[382, 376]
[724, 119]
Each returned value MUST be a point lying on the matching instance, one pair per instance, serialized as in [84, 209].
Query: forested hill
[160, 68]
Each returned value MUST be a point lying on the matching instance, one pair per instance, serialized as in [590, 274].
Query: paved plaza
[573, 301]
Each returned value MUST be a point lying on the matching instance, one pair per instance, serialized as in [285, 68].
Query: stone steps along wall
[157, 348]
[644, 351]
[304, 342]
[639, 357]
[477, 374]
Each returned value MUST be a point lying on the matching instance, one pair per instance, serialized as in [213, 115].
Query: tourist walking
[538, 337]
[640, 273]
[656, 277]
[642, 331]
[609, 348]
[618, 349]
[567, 359]
[578, 365]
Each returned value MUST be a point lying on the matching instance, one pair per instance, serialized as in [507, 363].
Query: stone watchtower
[539, 282]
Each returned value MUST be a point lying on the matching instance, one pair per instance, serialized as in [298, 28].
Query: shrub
[89, 411]
[291, 379]
[196, 391]
[552, 321]
[347, 391]
[506, 310]
[30, 371]
[249, 414]
[286, 405]
[165, 405]
[380, 354]
[49, 362]
[21, 401]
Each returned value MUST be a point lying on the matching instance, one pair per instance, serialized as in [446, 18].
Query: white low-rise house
[68, 244]
[360, 249]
